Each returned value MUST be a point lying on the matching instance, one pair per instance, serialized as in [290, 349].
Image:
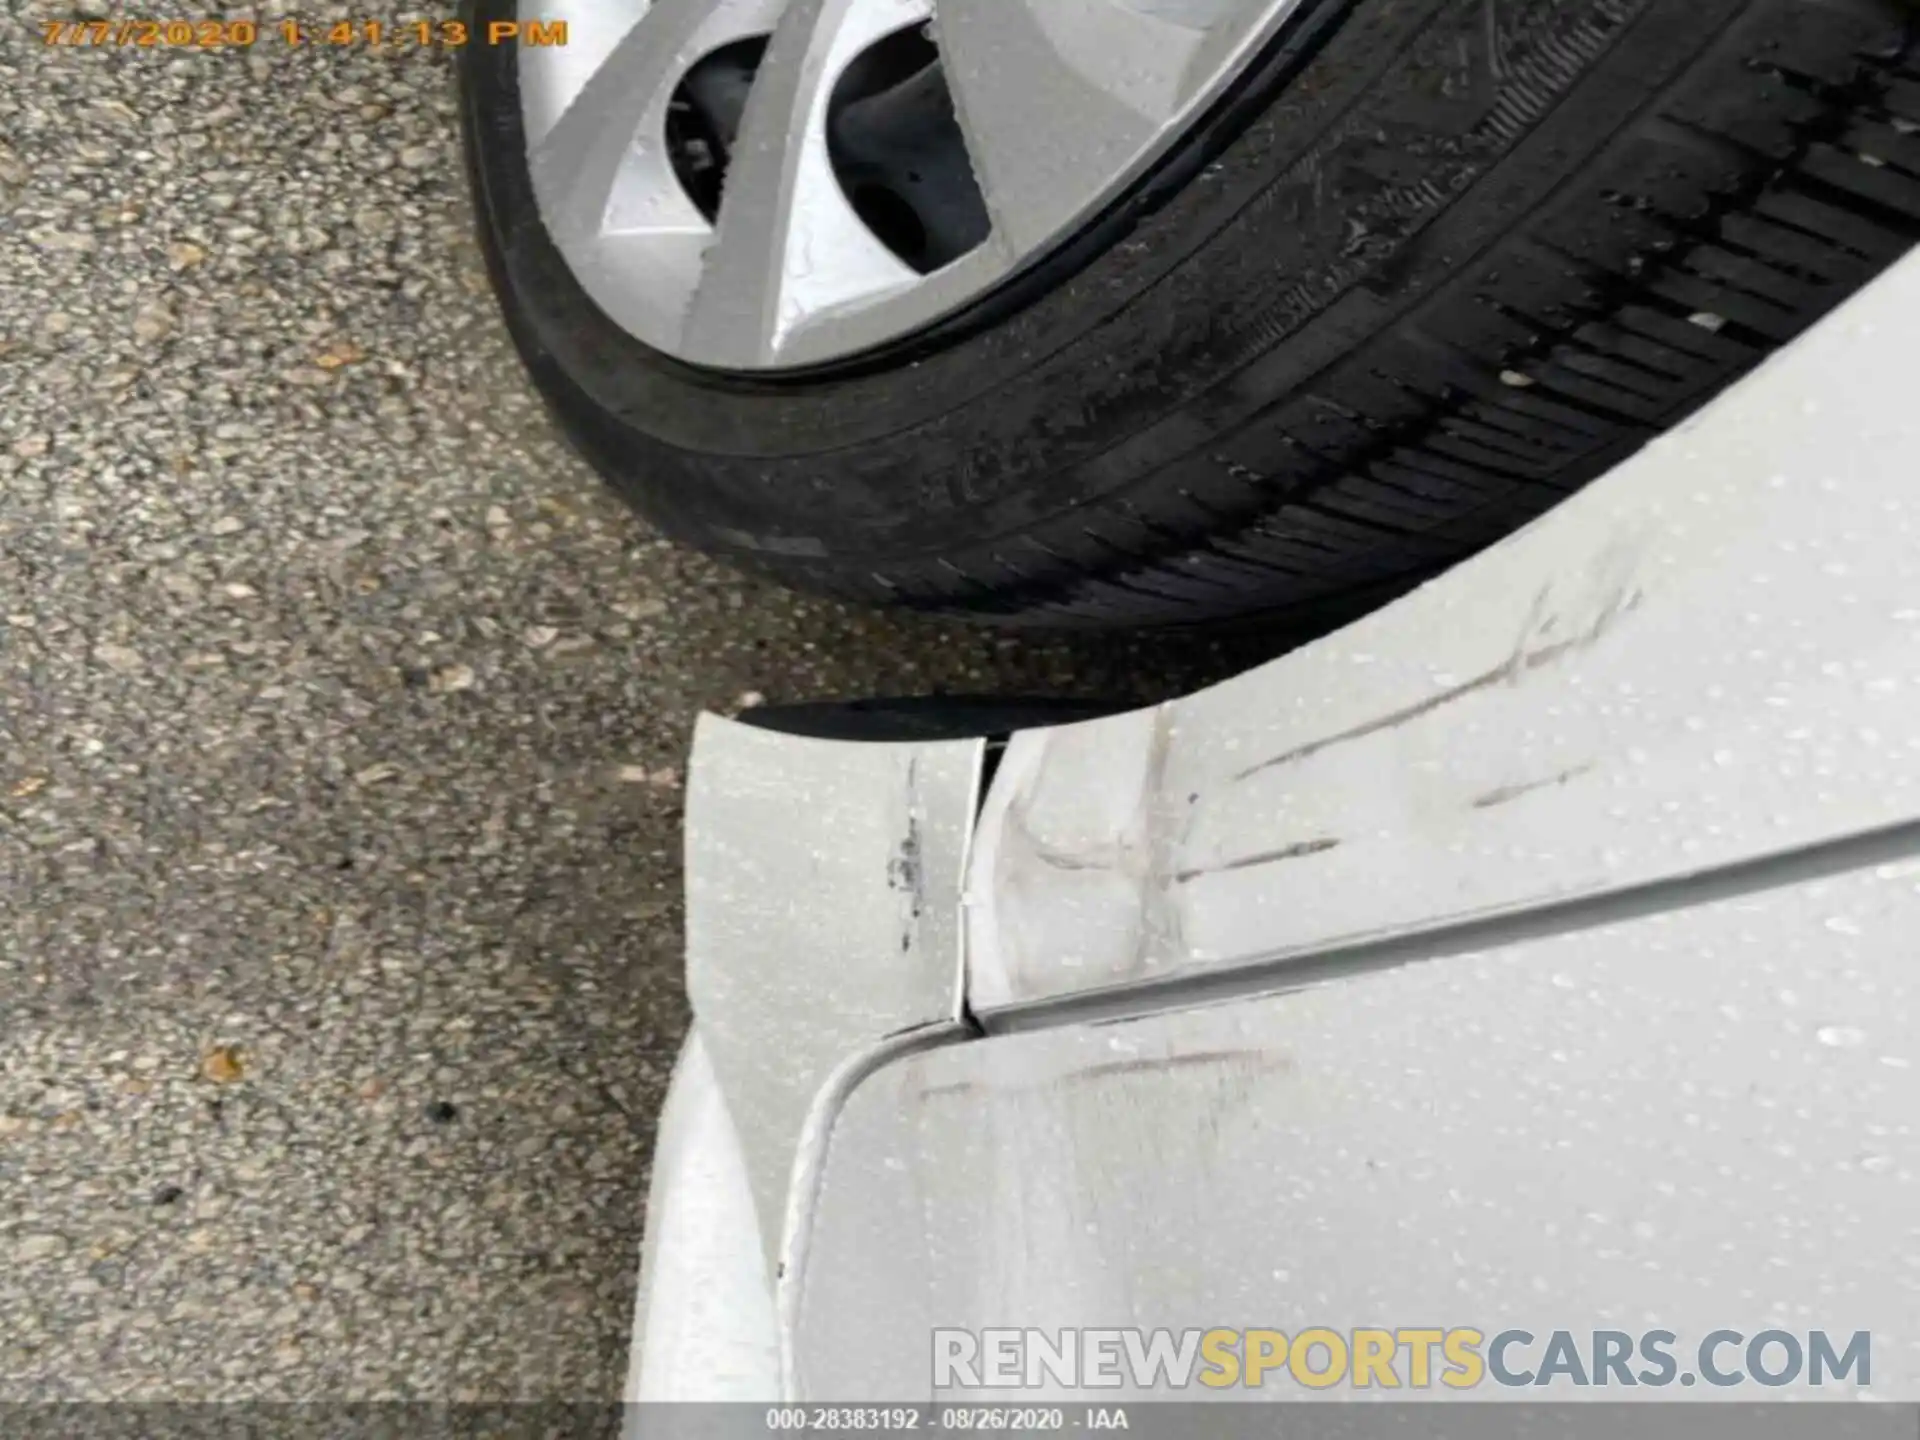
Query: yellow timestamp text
[370, 34]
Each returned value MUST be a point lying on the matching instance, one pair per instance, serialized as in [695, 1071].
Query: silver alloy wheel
[1058, 104]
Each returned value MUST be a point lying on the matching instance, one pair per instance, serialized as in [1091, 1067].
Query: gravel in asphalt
[342, 722]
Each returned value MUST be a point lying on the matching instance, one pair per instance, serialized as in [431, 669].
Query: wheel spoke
[1057, 97]
[789, 247]
[603, 174]
[552, 75]
[613, 134]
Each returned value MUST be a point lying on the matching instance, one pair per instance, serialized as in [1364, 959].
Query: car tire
[1427, 269]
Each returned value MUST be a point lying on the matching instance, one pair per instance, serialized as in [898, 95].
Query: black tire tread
[1742, 194]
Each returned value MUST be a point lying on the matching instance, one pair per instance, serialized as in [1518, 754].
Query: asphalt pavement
[342, 728]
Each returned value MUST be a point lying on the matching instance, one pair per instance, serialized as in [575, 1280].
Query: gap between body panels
[991, 720]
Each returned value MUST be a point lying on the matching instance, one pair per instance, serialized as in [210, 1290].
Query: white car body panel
[705, 1327]
[1693, 1119]
[1601, 1008]
[823, 882]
